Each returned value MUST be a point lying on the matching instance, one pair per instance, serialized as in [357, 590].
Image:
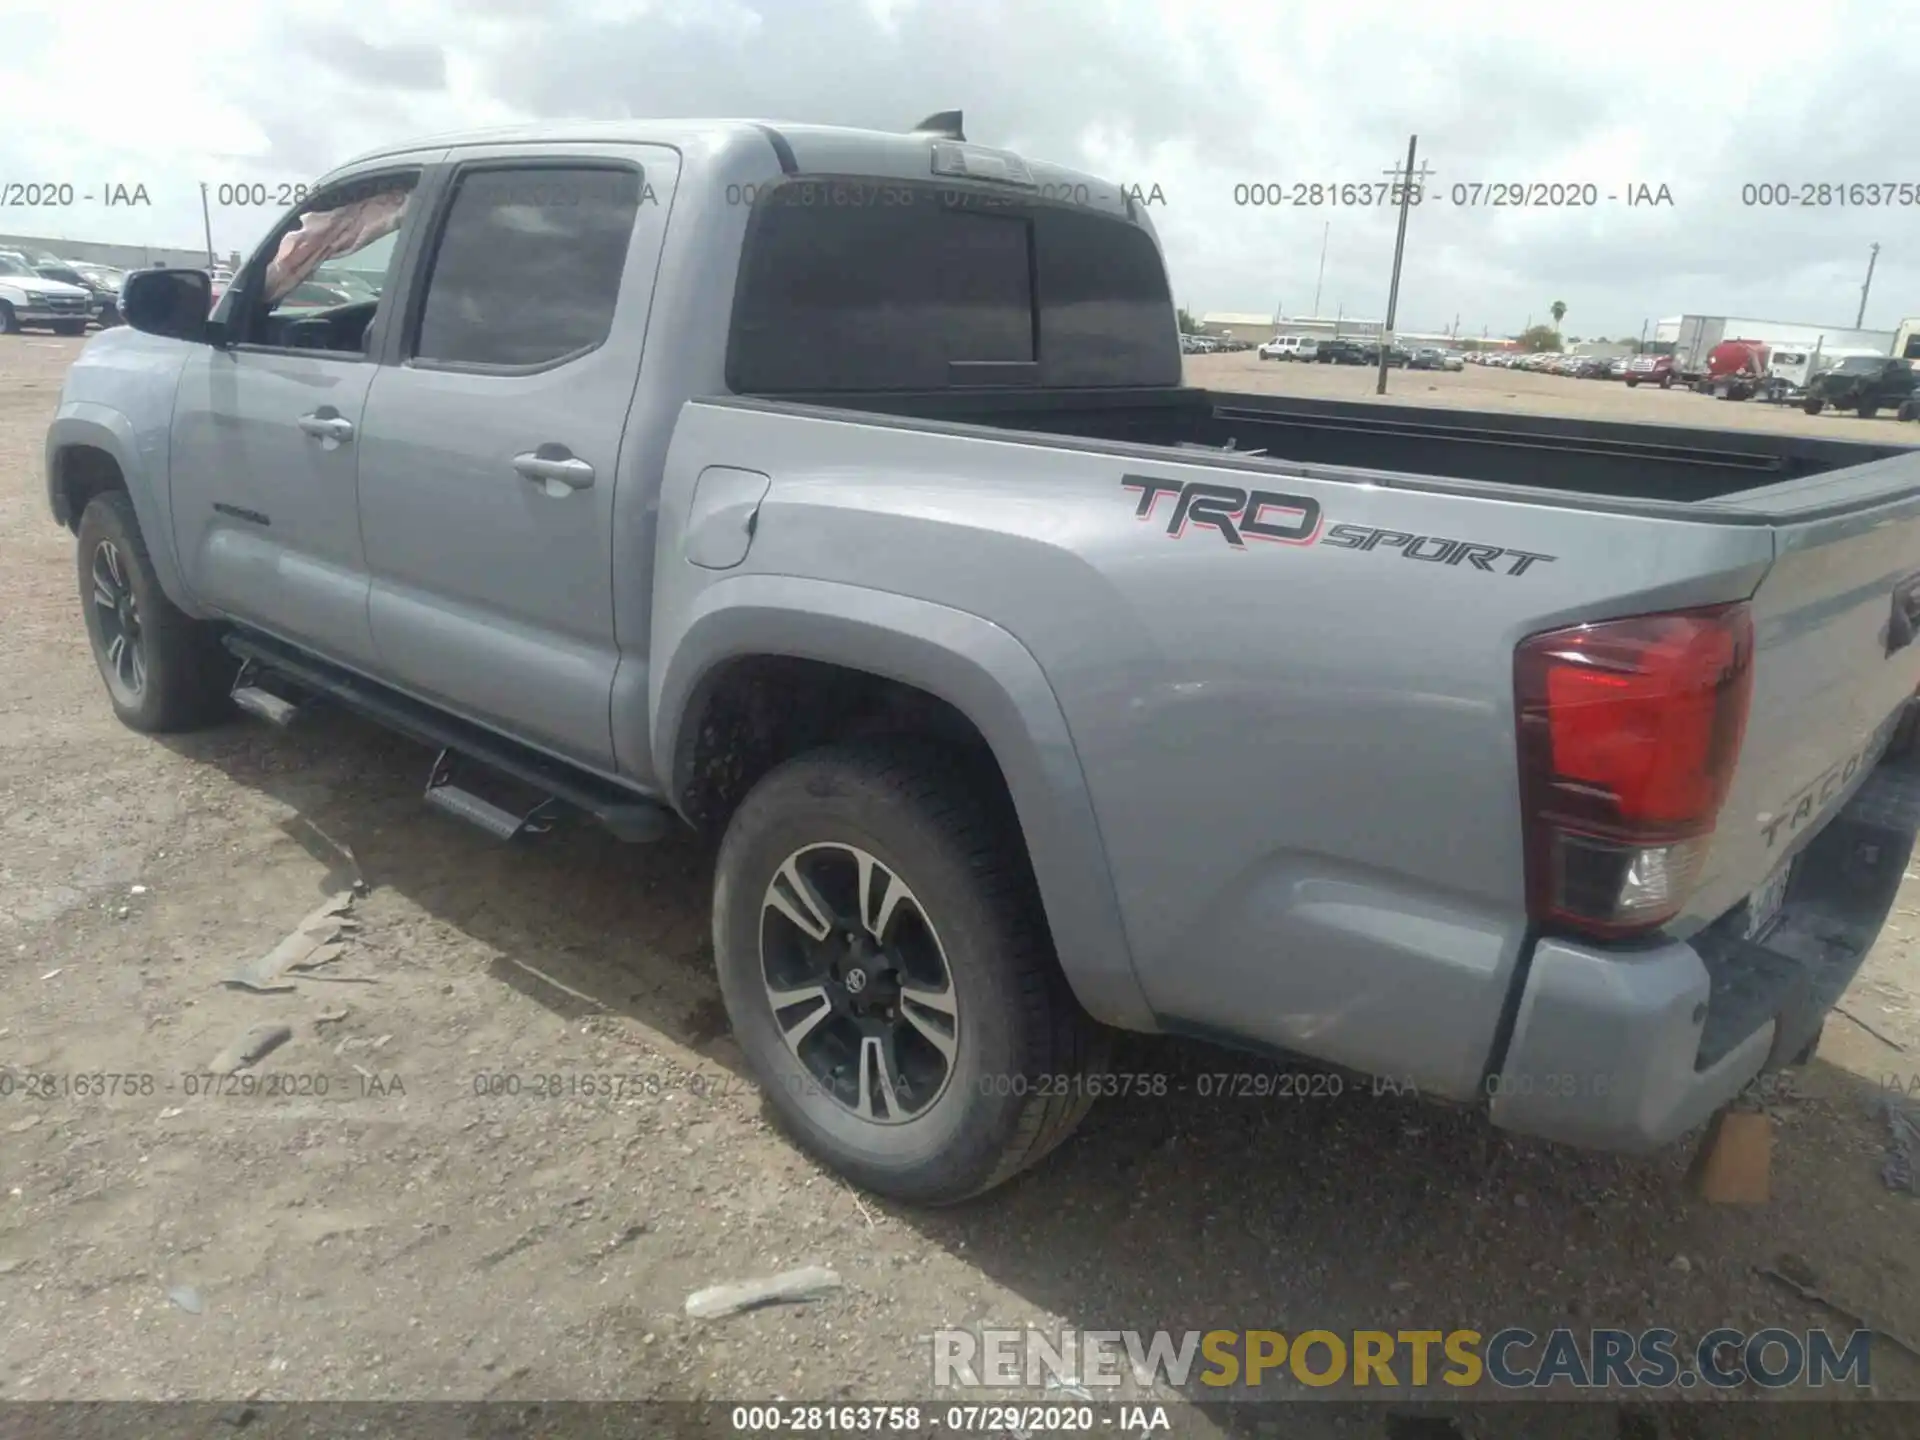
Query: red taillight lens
[1629, 731]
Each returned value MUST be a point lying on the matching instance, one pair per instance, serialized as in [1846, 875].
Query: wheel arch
[91, 449]
[955, 672]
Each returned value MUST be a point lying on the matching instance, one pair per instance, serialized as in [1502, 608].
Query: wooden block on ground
[1735, 1163]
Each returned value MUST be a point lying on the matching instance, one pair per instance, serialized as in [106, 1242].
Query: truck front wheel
[163, 669]
[1866, 410]
[1813, 407]
[1666, 382]
[887, 969]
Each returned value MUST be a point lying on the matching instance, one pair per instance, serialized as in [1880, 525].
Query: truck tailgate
[1834, 659]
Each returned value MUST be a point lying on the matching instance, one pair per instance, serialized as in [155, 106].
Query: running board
[630, 816]
[463, 804]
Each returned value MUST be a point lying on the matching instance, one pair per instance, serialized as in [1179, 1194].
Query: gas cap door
[720, 519]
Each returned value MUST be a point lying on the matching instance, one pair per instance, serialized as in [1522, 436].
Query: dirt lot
[1480, 388]
[401, 1235]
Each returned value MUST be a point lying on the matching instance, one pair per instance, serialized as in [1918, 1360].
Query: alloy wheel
[858, 982]
[118, 611]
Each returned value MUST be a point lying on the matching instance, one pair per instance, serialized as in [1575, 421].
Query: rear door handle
[324, 426]
[559, 473]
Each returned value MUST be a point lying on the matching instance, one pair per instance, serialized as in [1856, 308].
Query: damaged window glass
[320, 287]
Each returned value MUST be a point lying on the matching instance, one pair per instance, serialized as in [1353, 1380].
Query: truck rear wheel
[163, 669]
[1813, 407]
[887, 969]
[1666, 382]
[1867, 410]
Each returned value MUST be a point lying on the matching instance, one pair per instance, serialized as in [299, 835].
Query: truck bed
[1602, 459]
[1329, 725]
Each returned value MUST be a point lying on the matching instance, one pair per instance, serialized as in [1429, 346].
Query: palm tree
[1557, 309]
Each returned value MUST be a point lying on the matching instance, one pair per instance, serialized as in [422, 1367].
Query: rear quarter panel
[1300, 756]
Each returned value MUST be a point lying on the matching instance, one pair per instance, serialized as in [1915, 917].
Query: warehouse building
[121, 257]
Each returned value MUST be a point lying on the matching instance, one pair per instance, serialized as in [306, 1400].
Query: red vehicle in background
[1736, 369]
[1650, 370]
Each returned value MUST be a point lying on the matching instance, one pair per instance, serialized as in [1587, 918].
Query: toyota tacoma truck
[838, 493]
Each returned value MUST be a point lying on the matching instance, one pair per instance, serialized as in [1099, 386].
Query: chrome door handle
[336, 428]
[569, 473]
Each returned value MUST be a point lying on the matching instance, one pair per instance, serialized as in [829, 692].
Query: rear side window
[924, 287]
[527, 270]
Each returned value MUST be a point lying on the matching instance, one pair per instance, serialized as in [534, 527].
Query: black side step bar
[628, 815]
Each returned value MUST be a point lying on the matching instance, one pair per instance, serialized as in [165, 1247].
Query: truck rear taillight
[1629, 731]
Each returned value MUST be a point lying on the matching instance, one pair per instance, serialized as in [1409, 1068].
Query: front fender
[81, 423]
[973, 665]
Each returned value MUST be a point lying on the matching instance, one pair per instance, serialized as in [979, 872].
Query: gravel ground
[403, 1236]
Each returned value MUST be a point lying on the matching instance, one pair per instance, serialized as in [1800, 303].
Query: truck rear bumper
[1628, 1051]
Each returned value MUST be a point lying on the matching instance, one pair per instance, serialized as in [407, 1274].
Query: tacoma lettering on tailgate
[1813, 798]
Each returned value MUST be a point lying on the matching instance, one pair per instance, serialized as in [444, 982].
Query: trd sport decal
[1238, 516]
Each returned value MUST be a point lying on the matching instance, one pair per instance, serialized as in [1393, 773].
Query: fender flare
[81, 423]
[970, 663]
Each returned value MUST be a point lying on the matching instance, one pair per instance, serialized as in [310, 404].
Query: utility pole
[206, 217]
[1399, 249]
[1323, 268]
[1872, 255]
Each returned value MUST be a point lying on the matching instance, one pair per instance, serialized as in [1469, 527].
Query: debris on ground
[1805, 1289]
[1902, 1161]
[187, 1298]
[339, 857]
[256, 1044]
[810, 1282]
[1887, 1040]
[312, 943]
[1734, 1165]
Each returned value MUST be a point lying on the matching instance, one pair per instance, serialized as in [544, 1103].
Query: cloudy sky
[1194, 96]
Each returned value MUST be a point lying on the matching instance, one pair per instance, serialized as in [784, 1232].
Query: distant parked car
[1617, 369]
[106, 297]
[1341, 352]
[1650, 370]
[1426, 357]
[1452, 360]
[1290, 347]
[1864, 384]
[28, 298]
[1397, 355]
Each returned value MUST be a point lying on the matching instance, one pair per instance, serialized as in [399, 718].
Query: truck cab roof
[799, 150]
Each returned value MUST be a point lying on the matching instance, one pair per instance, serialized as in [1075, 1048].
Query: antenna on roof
[945, 124]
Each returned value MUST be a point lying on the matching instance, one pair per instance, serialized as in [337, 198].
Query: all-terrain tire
[183, 677]
[1024, 1050]
[9, 322]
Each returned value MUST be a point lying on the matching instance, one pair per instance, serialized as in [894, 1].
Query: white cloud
[1195, 97]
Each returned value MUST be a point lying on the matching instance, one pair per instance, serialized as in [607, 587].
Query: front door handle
[559, 472]
[327, 424]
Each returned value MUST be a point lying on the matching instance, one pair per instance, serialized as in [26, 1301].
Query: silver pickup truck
[839, 493]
